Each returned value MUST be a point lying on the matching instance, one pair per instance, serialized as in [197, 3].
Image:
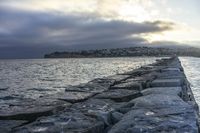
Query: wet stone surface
[128, 85]
[166, 83]
[148, 114]
[163, 90]
[118, 78]
[69, 122]
[73, 97]
[171, 74]
[119, 95]
[158, 100]
[9, 125]
[102, 105]
[98, 108]
[31, 109]
[171, 69]
[144, 120]
[94, 86]
[3, 88]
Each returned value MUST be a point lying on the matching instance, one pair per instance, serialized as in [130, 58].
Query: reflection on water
[34, 78]
[191, 66]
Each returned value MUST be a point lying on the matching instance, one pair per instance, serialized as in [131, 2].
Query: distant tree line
[127, 52]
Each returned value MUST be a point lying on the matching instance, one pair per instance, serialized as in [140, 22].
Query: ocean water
[191, 67]
[34, 78]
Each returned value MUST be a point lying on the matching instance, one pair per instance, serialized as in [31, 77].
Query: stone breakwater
[153, 98]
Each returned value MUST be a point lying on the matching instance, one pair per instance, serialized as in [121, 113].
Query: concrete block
[170, 69]
[74, 97]
[128, 85]
[119, 95]
[163, 90]
[166, 83]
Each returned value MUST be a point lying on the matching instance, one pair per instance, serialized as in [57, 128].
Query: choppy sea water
[191, 67]
[33, 78]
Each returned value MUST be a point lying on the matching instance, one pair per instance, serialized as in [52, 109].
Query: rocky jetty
[153, 98]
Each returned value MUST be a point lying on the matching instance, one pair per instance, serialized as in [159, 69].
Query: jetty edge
[153, 98]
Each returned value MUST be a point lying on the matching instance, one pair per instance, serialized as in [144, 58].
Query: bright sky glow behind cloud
[182, 12]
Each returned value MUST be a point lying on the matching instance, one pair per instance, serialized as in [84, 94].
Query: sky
[32, 28]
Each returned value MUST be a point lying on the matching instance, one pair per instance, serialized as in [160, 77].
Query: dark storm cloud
[39, 32]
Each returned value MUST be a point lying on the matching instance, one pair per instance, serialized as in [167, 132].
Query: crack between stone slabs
[79, 101]
[31, 117]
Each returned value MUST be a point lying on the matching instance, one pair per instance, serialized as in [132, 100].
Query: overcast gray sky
[31, 28]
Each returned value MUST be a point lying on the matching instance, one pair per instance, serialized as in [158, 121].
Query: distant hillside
[127, 52]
